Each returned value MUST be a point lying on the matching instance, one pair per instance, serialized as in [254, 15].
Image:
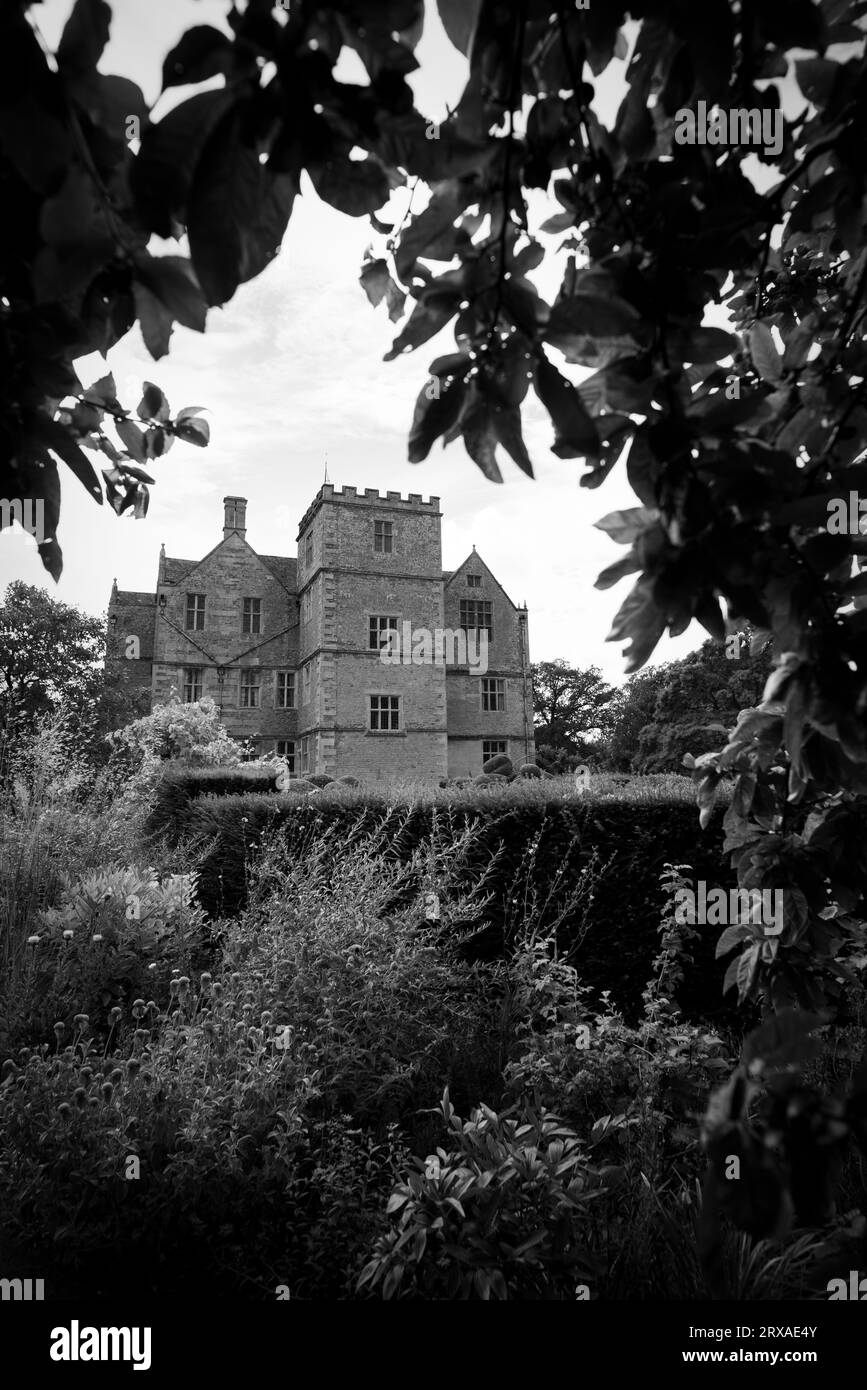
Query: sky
[290, 372]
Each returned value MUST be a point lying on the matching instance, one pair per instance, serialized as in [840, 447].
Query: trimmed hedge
[622, 935]
[178, 787]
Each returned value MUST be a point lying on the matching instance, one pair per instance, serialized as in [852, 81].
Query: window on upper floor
[308, 549]
[493, 693]
[307, 605]
[305, 684]
[379, 626]
[476, 614]
[285, 690]
[251, 688]
[474, 581]
[383, 537]
[252, 616]
[195, 616]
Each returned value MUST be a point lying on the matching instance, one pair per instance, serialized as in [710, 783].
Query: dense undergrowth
[328, 1094]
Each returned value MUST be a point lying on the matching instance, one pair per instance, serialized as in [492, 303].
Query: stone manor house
[291, 649]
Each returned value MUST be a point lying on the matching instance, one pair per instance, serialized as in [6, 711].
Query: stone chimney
[235, 517]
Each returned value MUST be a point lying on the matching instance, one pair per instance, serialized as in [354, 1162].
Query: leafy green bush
[60, 821]
[500, 1213]
[388, 1009]
[112, 935]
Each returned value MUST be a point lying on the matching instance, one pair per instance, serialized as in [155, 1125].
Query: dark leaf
[238, 212]
[507, 426]
[193, 430]
[52, 433]
[593, 329]
[173, 281]
[129, 469]
[163, 169]
[203, 52]
[642, 470]
[436, 411]
[431, 314]
[132, 438]
[763, 351]
[459, 19]
[155, 320]
[614, 573]
[703, 344]
[354, 186]
[639, 620]
[624, 527]
[479, 434]
[447, 203]
[816, 78]
[102, 392]
[575, 434]
[153, 404]
[84, 36]
[374, 280]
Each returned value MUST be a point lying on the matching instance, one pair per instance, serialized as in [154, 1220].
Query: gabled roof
[134, 598]
[175, 570]
[281, 567]
[475, 559]
[284, 569]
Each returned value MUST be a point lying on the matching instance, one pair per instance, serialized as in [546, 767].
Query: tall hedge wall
[636, 839]
[179, 786]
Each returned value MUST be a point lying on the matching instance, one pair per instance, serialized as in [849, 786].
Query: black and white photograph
[433, 672]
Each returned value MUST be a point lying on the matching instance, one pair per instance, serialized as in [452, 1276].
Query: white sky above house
[291, 371]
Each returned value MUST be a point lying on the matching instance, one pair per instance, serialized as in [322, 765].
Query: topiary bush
[500, 762]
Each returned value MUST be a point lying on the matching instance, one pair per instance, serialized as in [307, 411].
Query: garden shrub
[239, 1190]
[111, 935]
[404, 1013]
[178, 785]
[499, 1213]
[633, 839]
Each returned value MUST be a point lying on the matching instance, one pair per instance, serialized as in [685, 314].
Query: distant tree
[700, 700]
[687, 706]
[569, 711]
[50, 659]
[630, 710]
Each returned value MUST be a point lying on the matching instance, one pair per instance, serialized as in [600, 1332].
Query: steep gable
[474, 564]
